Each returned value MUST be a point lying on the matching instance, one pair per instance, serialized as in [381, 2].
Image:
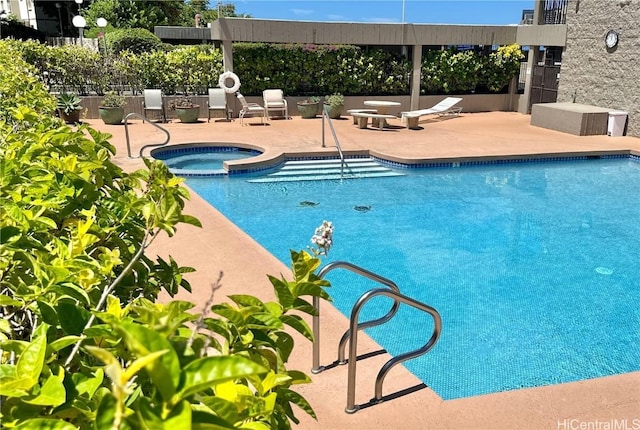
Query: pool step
[317, 170]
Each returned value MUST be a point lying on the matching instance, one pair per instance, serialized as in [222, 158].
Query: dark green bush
[299, 70]
[136, 40]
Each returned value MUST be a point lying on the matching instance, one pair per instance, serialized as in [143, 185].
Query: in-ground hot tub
[203, 159]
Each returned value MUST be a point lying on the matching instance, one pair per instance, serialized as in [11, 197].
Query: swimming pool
[533, 266]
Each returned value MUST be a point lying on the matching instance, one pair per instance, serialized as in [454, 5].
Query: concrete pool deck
[222, 247]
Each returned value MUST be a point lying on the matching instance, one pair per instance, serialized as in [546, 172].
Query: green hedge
[299, 70]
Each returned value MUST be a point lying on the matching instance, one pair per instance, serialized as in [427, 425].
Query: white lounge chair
[250, 109]
[274, 101]
[444, 107]
[218, 101]
[153, 102]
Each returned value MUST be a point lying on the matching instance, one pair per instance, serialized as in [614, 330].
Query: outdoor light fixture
[3, 16]
[102, 23]
[80, 23]
[59, 7]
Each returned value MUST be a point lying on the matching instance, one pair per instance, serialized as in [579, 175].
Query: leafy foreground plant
[82, 343]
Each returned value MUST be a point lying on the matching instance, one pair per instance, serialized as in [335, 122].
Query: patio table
[382, 107]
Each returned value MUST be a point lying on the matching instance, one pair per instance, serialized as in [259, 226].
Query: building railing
[555, 12]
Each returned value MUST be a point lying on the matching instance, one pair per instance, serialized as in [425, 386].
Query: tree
[150, 13]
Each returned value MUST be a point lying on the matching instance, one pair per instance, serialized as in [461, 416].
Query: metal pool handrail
[351, 335]
[316, 304]
[353, 343]
[143, 118]
[325, 113]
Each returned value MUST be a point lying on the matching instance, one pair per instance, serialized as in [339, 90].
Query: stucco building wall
[591, 73]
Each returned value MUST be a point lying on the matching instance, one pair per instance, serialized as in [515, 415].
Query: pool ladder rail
[143, 118]
[325, 114]
[392, 291]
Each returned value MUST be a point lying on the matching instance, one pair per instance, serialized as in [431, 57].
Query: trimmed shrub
[136, 40]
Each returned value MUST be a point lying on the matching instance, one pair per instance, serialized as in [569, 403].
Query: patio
[221, 246]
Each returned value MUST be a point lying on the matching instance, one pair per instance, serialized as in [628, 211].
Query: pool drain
[604, 270]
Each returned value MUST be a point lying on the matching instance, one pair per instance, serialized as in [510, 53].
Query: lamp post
[79, 22]
[59, 7]
[102, 23]
[3, 16]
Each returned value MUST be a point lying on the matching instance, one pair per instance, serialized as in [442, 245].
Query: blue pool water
[534, 267]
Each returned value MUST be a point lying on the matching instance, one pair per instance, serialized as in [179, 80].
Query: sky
[494, 12]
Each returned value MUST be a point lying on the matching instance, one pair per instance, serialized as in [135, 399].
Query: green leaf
[246, 300]
[45, 424]
[296, 399]
[165, 372]
[255, 425]
[106, 413]
[8, 232]
[206, 372]
[267, 320]
[281, 286]
[229, 313]
[88, 384]
[302, 305]
[148, 417]
[310, 289]
[75, 318]
[298, 377]
[52, 392]
[297, 323]
[188, 219]
[10, 301]
[63, 342]
[223, 408]
[273, 380]
[71, 290]
[285, 345]
[180, 417]
[205, 421]
[48, 313]
[31, 360]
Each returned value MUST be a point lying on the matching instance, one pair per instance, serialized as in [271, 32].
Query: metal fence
[555, 12]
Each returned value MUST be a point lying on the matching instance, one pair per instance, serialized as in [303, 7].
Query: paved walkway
[221, 247]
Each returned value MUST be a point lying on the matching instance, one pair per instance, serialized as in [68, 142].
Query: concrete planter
[334, 111]
[308, 110]
[111, 115]
[70, 117]
[188, 114]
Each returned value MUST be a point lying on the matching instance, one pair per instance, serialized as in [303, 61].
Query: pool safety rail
[325, 114]
[392, 291]
[144, 119]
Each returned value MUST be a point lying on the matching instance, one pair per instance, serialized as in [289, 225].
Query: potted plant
[335, 103]
[112, 108]
[69, 107]
[308, 108]
[186, 110]
[317, 99]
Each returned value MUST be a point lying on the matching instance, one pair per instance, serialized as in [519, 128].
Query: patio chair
[153, 102]
[218, 101]
[250, 109]
[274, 101]
[444, 107]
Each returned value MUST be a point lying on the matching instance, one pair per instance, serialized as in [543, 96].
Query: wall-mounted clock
[611, 39]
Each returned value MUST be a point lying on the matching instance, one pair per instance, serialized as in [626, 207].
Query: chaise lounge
[444, 107]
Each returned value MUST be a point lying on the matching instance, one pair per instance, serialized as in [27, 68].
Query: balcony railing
[555, 12]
